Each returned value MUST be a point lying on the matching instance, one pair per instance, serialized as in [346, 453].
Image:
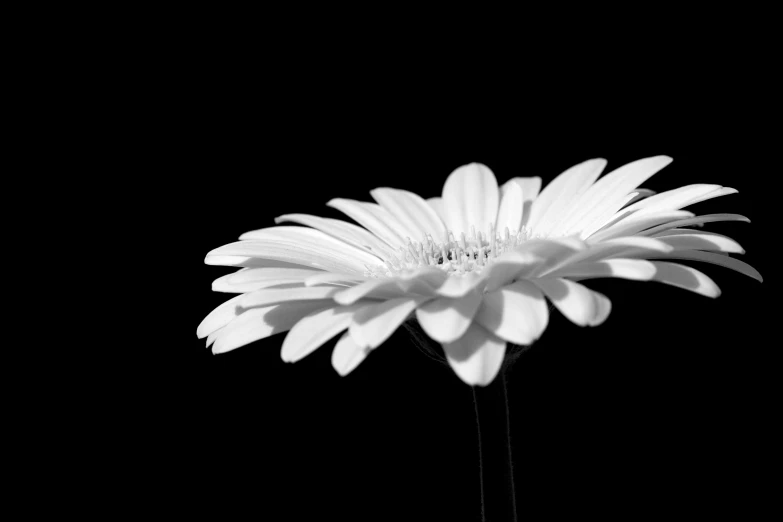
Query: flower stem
[497, 478]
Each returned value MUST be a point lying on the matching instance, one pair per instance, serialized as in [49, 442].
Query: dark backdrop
[652, 408]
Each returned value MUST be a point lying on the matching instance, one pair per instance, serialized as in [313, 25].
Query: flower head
[475, 266]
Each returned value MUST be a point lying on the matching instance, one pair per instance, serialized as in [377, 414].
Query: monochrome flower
[475, 266]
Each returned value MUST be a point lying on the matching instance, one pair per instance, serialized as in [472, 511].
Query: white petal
[223, 284]
[373, 218]
[460, 285]
[373, 324]
[700, 241]
[673, 199]
[611, 189]
[552, 252]
[347, 232]
[219, 317]
[511, 208]
[638, 246]
[315, 329]
[530, 189]
[248, 262]
[436, 204]
[225, 260]
[628, 225]
[268, 296]
[517, 313]
[575, 301]
[301, 245]
[477, 356]
[528, 260]
[412, 212]
[635, 269]
[388, 288]
[430, 276]
[584, 229]
[685, 277]
[510, 266]
[708, 218]
[641, 193]
[213, 336]
[716, 259]
[470, 198]
[558, 197]
[445, 319]
[347, 355]
[247, 275]
[332, 277]
[251, 279]
[723, 191]
[634, 242]
[260, 323]
[603, 308]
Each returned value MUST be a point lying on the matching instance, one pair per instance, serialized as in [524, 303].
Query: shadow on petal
[685, 277]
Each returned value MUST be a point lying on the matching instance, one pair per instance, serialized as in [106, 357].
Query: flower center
[468, 253]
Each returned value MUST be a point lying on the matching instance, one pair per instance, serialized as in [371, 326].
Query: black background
[656, 408]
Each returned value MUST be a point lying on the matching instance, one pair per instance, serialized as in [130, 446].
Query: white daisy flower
[475, 267]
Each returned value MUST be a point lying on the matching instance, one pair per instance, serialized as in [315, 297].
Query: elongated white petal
[611, 248]
[268, 296]
[556, 200]
[628, 225]
[315, 329]
[673, 199]
[301, 245]
[603, 308]
[271, 274]
[445, 319]
[530, 189]
[372, 288]
[552, 252]
[723, 191]
[685, 277]
[633, 242]
[224, 284]
[517, 313]
[373, 218]
[245, 329]
[470, 198]
[219, 317]
[610, 189]
[636, 269]
[333, 277]
[716, 259]
[641, 193]
[700, 241]
[412, 212]
[577, 302]
[477, 356]
[250, 279]
[510, 266]
[511, 208]
[347, 355]
[213, 336]
[260, 323]
[584, 229]
[373, 324]
[248, 262]
[347, 232]
[708, 218]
